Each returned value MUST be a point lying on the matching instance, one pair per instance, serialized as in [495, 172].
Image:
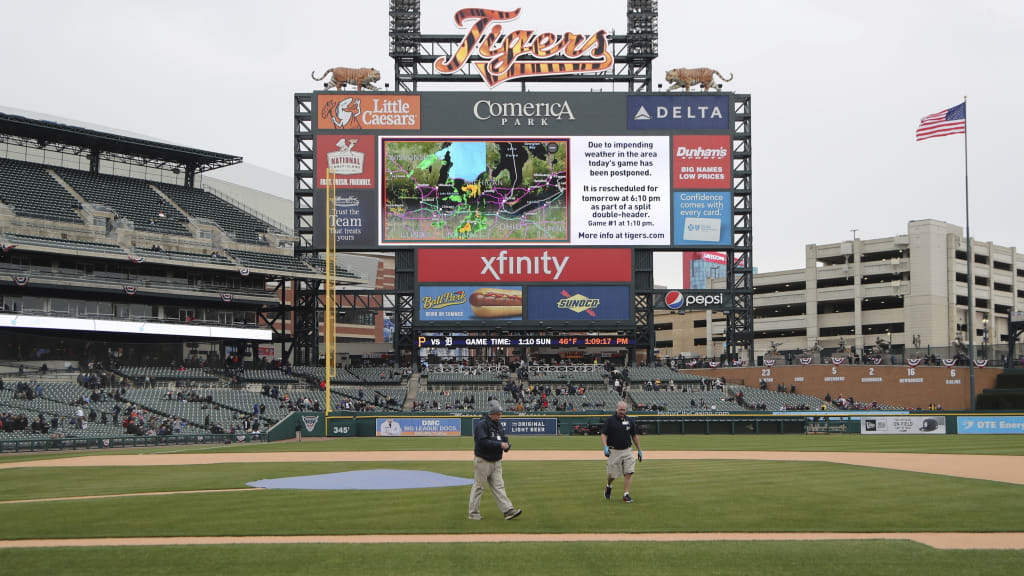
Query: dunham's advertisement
[703, 162]
[903, 425]
[702, 218]
[470, 303]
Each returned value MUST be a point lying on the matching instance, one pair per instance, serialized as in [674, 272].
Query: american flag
[949, 121]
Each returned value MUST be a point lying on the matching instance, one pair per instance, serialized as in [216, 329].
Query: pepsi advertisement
[470, 303]
[692, 300]
[578, 303]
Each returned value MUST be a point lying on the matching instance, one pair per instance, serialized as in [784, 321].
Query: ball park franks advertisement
[469, 303]
[525, 265]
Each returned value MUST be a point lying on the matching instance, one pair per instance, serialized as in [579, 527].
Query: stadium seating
[31, 192]
[455, 400]
[202, 204]
[269, 261]
[129, 198]
[679, 401]
[599, 399]
[449, 379]
[23, 240]
[183, 256]
[268, 376]
[163, 373]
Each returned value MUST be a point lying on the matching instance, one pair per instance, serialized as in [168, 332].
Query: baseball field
[703, 504]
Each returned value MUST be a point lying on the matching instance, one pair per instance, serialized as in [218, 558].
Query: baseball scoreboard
[530, 211]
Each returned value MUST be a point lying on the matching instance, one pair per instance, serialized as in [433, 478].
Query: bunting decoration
[769, 362]
[837, 360]
[981, 363]
[130, 290]
[805, 361]
[243, 271]
[913, 362]
[137, 259]
[226, 297]
[20, 280]
[949, 363]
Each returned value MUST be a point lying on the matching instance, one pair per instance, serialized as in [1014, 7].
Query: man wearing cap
[618, 434]
[490, 442]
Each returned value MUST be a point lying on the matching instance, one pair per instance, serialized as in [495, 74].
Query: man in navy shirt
[618, 434]
[489, 442]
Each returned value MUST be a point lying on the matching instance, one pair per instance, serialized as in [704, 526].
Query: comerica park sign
[550, 54]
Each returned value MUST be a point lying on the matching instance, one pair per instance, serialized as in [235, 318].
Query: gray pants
[484, 473]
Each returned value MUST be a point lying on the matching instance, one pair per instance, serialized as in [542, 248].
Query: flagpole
[970, 264]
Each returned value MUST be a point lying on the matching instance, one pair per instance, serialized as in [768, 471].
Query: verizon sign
[524, 265]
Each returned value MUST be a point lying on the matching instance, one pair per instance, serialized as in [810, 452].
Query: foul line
[98, 496]
[939, 540]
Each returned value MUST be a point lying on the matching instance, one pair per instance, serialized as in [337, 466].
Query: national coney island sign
[503, 51]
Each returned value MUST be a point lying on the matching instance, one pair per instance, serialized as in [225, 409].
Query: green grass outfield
[558, 497]
[727, 558]
[944, 444]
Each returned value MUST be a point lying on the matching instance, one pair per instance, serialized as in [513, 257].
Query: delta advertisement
[528, 426]
[470, 303]
[419, 426]
[903, 425]
[525, 265]
[990, 424]
[578, 303]
[680, 112]
[702, 218]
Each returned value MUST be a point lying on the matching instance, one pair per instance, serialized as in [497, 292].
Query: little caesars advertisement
[903, 425]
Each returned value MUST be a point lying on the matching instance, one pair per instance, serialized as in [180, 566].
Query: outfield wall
[912, 387]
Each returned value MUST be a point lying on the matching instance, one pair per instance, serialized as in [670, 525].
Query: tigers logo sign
[503, 52]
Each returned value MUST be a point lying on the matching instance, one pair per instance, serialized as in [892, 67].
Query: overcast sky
[837, 88]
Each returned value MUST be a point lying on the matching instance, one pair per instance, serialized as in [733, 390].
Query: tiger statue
[341, 77]
[686, 77]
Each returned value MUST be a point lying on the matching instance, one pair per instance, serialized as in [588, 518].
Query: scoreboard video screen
[545, 341]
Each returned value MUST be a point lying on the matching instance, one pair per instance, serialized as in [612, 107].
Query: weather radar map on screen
[475, 190]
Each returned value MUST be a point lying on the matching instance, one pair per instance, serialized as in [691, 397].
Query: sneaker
[513, 513]
[476, 518]
[607, 492]
[627, 499]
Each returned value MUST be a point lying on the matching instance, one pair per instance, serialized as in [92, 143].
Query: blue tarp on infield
[381, 479]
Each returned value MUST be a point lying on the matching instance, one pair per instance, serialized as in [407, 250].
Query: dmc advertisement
[470, 303]
[678, 112]
[703, 162]
[528, 426]
[903, 425]
[355, 218]
[471, 191]
[990, 424]
[578, 303]
[525, 265]
[419, 427]
[349, 158]
[702, 218]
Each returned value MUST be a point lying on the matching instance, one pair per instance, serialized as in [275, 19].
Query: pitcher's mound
[382, 479]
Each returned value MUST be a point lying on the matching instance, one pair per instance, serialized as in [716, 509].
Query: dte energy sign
[515, 170]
